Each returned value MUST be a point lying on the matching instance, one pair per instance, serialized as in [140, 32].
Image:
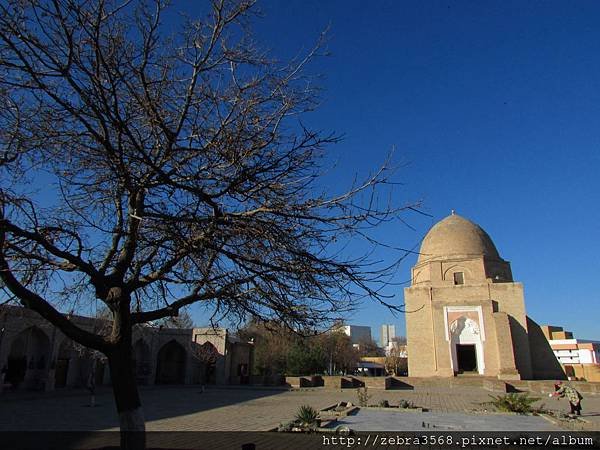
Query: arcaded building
[36, 355]
[466, 314]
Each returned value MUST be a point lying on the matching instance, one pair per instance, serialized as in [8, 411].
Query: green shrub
[286, 427]
[307, 416]
[406, 404]
[513, 402]
[384, 404]
[363, 396]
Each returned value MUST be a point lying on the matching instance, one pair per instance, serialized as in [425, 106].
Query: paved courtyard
[186, 408]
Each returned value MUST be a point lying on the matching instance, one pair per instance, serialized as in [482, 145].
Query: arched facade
[28, 359]
[171, 362]
[36, 355]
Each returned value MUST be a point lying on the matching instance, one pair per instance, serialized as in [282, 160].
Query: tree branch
[40, 305]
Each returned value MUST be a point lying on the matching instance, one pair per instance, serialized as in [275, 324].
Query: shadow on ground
[69, 410]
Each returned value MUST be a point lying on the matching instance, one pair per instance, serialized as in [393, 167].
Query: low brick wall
[305, 381]
[342, 382]
[585, 386]
[271, 380]
[317, 380]
[374, 382]
[387, 383]
[332, 382]
[495, 386]
[298, 382]
[398, 383]
[545, 386]
[351, 383]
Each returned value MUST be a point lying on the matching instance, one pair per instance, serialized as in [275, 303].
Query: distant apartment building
[388, 333]
[579, 358]
[357, 333]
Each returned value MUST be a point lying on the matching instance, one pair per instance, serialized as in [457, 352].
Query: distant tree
[342, 356]
[400, 340]
[272, 343]
[151, 169]
[305, 358]
[369, 348]
[395, 361]
[183, 321]
[278, 350]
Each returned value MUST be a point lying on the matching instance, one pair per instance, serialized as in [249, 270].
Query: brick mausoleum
[466, 314]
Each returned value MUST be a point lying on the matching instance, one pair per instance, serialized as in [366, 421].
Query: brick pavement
[185, 408]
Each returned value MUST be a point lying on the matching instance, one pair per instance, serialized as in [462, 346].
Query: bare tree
[396, 362]
[149, 171]
[341, 355]
[399, 340]
[183, 320]
[368, 347]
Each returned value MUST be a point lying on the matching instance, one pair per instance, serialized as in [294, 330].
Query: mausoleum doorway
[466, 346]
[466, 358]
[171, 364]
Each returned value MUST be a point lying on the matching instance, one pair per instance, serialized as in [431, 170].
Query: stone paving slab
[368, 420]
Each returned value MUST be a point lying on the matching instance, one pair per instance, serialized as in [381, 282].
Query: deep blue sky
[496, 108]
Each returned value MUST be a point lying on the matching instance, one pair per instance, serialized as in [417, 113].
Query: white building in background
[388, 333]
[579, 358]
[357, 333]
[576, 351]
[397, 349]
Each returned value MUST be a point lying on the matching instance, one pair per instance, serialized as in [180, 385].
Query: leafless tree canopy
[152, 169]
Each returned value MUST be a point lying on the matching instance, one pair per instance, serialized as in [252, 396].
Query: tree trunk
[129, 406]
[91, 382]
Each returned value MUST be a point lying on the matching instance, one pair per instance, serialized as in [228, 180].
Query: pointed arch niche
[465, 335]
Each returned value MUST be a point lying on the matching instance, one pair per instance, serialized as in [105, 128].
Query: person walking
[561, 390]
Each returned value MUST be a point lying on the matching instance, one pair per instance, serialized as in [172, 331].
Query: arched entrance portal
[170, 367]
[208, 355]
[466, 346]
[28, 359]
